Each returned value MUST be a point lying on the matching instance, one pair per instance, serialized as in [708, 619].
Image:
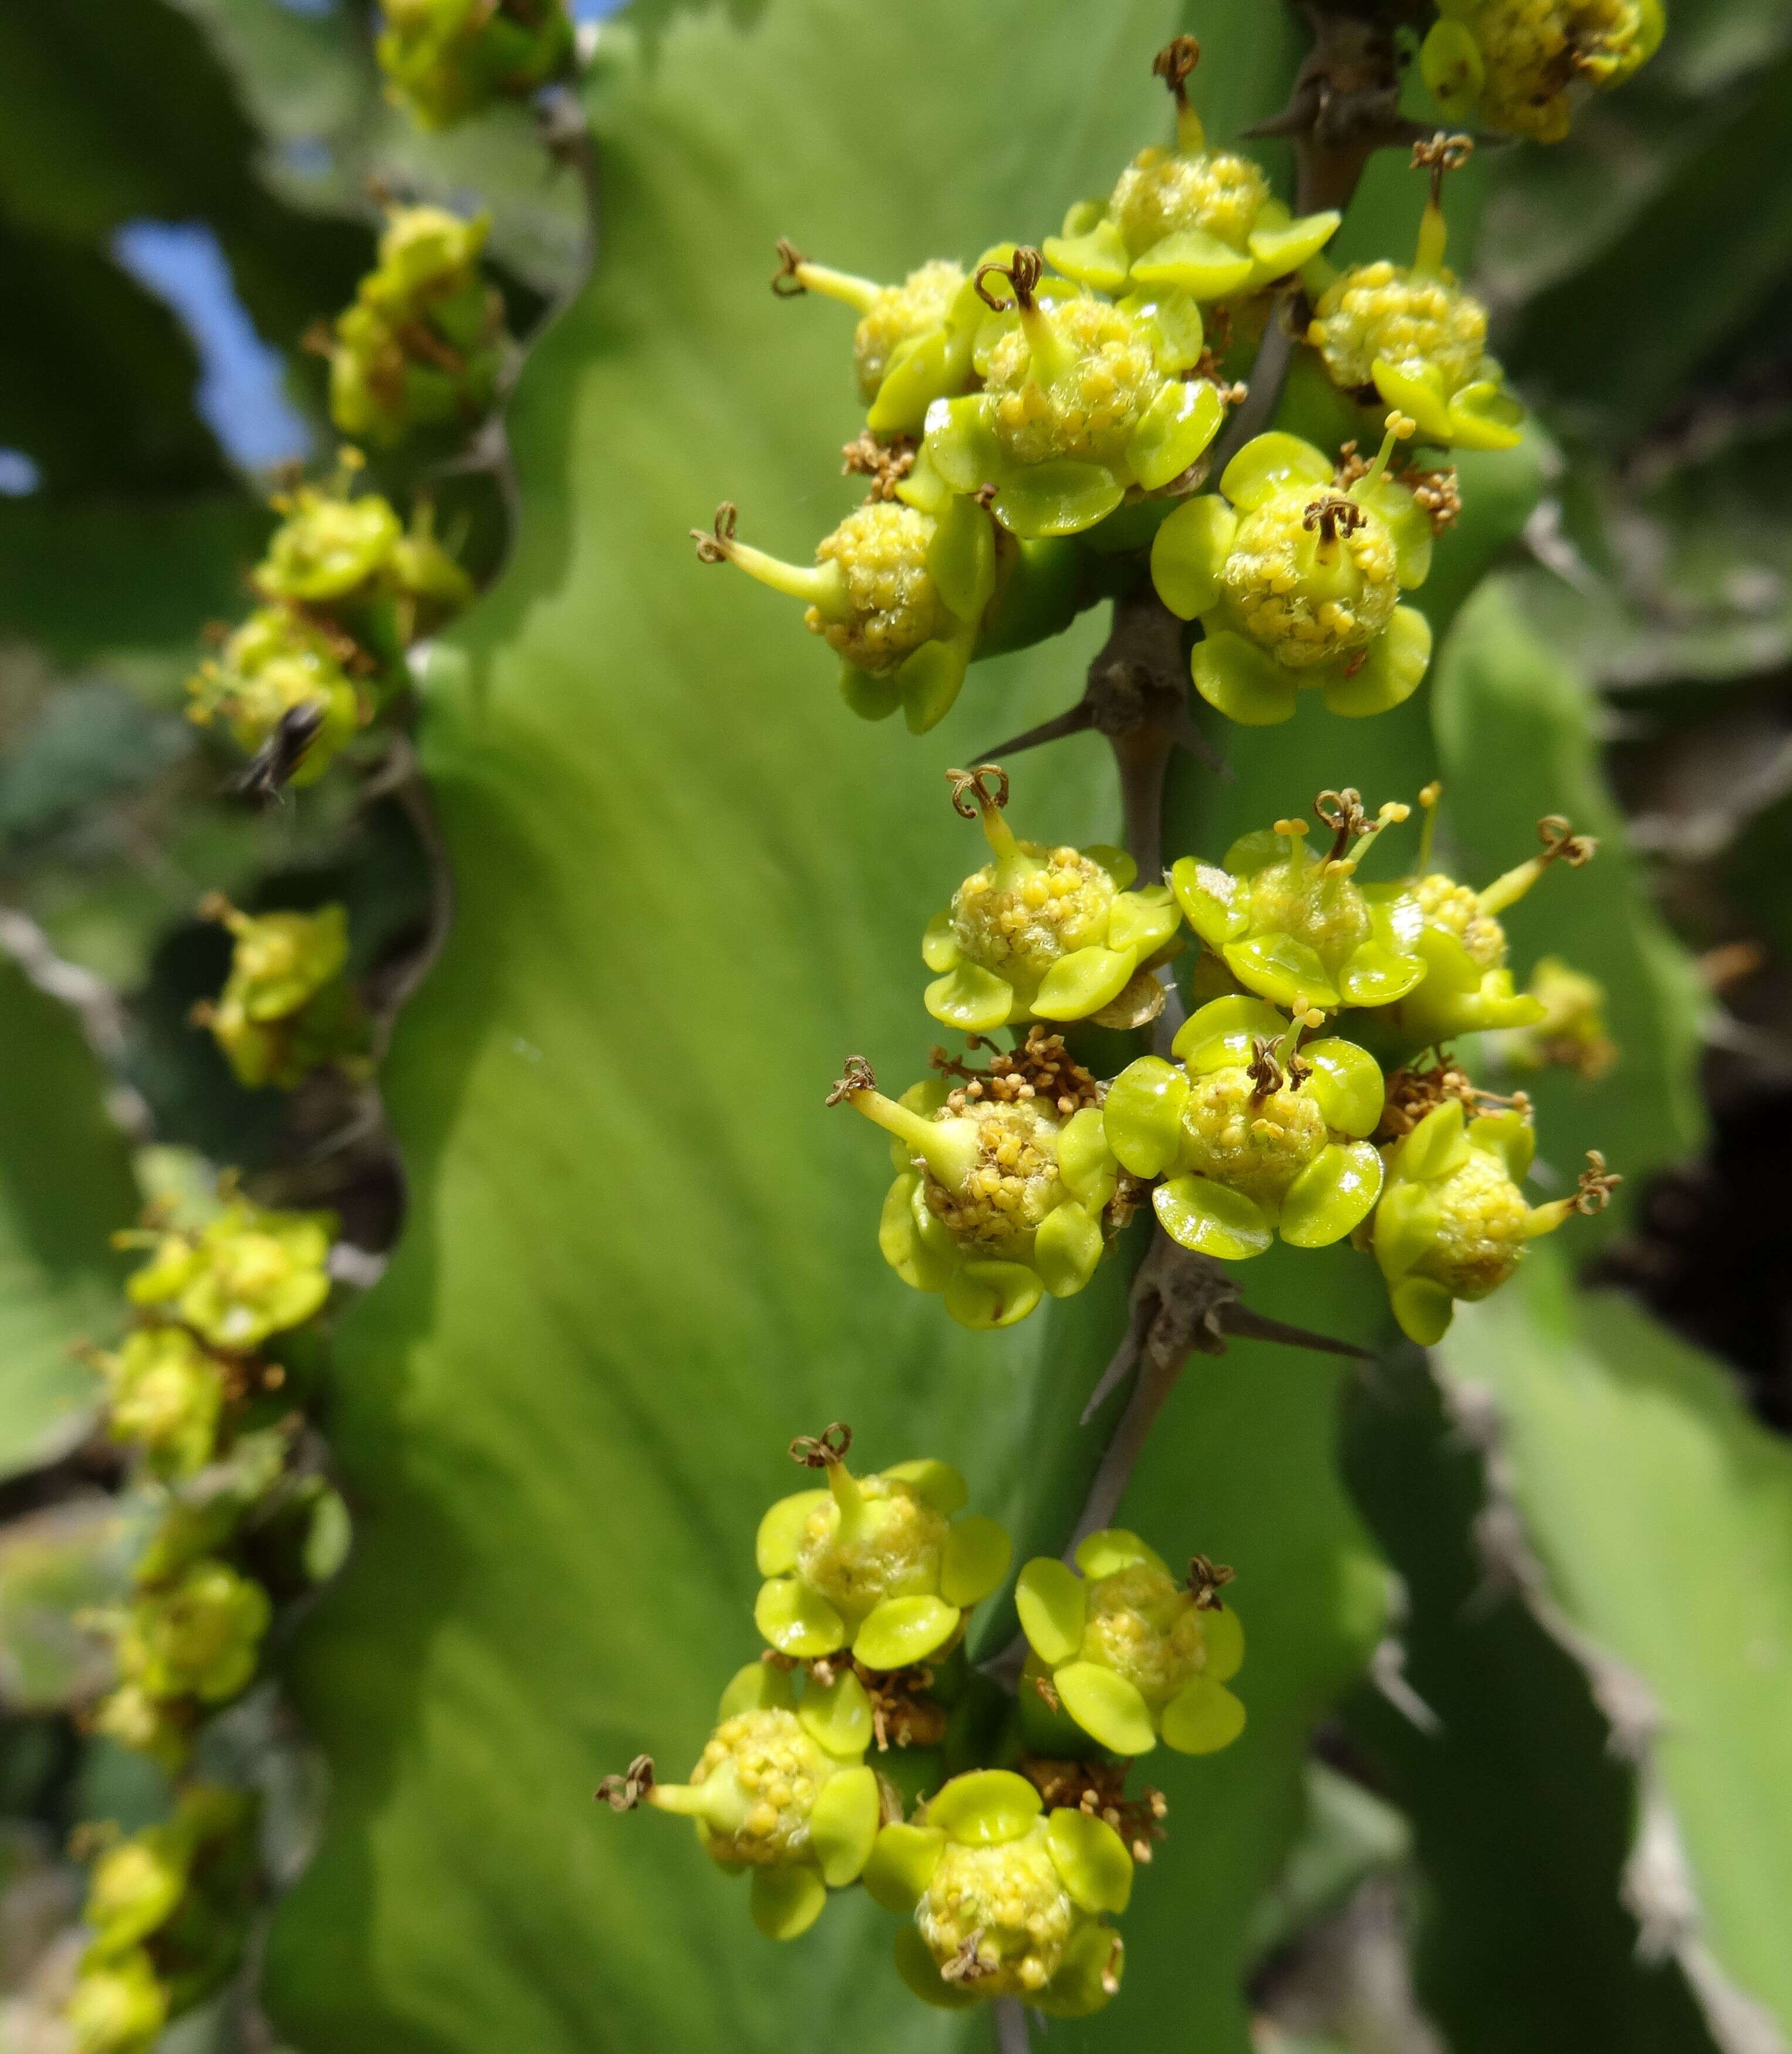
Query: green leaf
[1662, 1515]
[65, 1187]
[1524, 1809]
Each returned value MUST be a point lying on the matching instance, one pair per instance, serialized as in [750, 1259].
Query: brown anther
[1262, 1069]
[1594, 1192]
[1562, 844]
[1333, 515]
[1098, 1789]
[772, 1660]
[623, 1793]
[273, 1376]
[1047, 1692]
[886, 464]
[1442, 153]
[214, 905]
[903, 1713]
[711, 546]
[1021, 271]
[858, 1076]
[1342, 812]
[985, 496]
[1413, 1092]
[1437, 496]
[823, 1450]
[1110, 1974]
[965, 1967]
[784, 280]
[319, 339]
[1351, 466]
[988, 780]
[1206, 1580]
[1174, 62]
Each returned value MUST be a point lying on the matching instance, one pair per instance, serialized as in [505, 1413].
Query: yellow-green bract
[251, 1272]
[446, 59]
[1296, 582]
[1452, 1222]
[781, 1789]
[1132, 1656]
[1254, 1136]
[879, 1564]
[1519, 64]
[1005, 1900]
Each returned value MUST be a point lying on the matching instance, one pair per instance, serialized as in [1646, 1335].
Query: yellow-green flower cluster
[1295, 571]
[422, 344]
[287, 1007]
[1005, 1899]
[347, 589]
[1006, 1187]
[251, 1272]
[1521, 64]
[1412, 338]
[1048, 934]
[445, 59]
[1261, 1130]
[1131, 1654]
[1193, 219]
[166, 1909]
[880, 1563]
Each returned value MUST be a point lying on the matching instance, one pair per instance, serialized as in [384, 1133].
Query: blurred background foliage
[1494, 1841]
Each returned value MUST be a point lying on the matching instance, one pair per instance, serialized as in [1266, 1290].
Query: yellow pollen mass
[1535, 50]
[1329, 914]
[1013, 1187]
[894, 605]
[1020, 930]
[777, 1771]
[1257, 1145]
[1087, 412]
[1306, 600]
[1013, 1897]
[1480, 1237]
[894, 1553]
[920, 303]
[1455, 908]
[1162, 192]
[1146, 1627]
[1377, 311]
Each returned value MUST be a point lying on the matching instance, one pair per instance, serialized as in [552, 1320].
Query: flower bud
[422, 344]
[249, 1272]
[1571, 1034]
[1134, 1656]
[1296, 581]
[445, 59]
[165, 1392]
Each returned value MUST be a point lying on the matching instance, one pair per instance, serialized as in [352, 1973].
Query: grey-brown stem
[1011, 2027]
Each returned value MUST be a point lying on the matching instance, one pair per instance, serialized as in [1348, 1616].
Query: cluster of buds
[445, 59]
[287, 1007]
[1286, 1105]
[347, 589]
[167, 1912]
[864, 1747]
[422, 345]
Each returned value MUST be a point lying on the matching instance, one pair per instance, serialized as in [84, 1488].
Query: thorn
[1239, 1321]
[1077, 720]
